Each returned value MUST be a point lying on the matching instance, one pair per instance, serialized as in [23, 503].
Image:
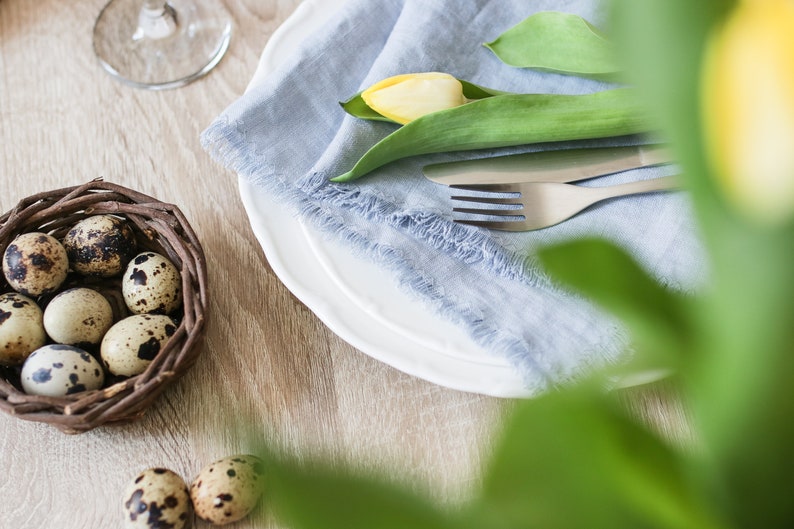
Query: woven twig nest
[158, 227]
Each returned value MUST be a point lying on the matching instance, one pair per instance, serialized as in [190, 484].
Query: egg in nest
[100, 245]
[35, 263]
[78, 316]
[21, 328]
[152, 285]
[57, 370]
[131, 344]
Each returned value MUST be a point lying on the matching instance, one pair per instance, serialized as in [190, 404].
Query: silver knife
[564, 165]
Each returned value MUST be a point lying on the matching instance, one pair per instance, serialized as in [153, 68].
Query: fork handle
[664, 183]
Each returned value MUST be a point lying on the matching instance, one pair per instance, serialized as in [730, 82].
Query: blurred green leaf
[656, 316]
[739, 383]
[573, 460]
[318, 496]
[660, 46]
[741, 389]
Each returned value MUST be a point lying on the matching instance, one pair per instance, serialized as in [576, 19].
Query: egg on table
[151, 285]
[228, 489]
[157, 498]
[100, 245]
[56, 370]
[21, 328]
[130, 345]
[78, 316]
[35, 263]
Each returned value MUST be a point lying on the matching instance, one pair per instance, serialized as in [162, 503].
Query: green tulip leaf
[557, 42]
[356, 107]
[473, 91]
[508, 120]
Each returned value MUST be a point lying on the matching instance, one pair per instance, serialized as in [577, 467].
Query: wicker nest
[158, 227]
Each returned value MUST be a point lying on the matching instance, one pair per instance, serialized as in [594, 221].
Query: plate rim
[495, 377]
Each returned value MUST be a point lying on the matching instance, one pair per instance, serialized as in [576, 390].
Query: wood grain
[270, 368]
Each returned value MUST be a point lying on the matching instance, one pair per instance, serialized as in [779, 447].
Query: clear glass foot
[161, 44]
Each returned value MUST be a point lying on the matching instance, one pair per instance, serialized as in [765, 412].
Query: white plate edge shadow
[371, 314]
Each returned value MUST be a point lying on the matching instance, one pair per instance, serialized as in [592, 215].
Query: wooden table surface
[268, 367]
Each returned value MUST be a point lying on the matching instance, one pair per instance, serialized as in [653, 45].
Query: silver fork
[539, 205]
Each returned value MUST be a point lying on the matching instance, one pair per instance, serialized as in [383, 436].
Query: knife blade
[564, 165]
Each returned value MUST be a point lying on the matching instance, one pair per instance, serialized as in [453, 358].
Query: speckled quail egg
[152, 285]
[78, 316]
[100, 245]
[56, 370]
[155, 499]
[35, 263]
[228, 489]
[21, 328]
[130, 345]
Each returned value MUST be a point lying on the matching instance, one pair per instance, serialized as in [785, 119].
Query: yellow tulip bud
[748, 105]
[403, 98]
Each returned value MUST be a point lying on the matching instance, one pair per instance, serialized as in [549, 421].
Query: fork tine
[492, 188]
[494, 212]
[516, 201]
[494, 224]
[513, 216]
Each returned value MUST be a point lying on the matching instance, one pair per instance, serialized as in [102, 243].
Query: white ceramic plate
[356, 299]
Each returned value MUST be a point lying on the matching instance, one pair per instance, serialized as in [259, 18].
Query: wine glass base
[162, 54]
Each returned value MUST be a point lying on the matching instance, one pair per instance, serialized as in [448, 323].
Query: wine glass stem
[157, 20]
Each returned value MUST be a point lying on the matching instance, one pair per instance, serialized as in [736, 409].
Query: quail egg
[78, 316]
[35, 263]
[100, 245]
[228, 489]
[152, 285]
[56, 370]
[157, 498]
[21, 328]
[130, 345]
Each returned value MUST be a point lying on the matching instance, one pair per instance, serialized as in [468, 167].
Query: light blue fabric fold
[289, 135]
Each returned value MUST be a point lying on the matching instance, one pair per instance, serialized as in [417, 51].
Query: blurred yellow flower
[748, 105]
[403, 98]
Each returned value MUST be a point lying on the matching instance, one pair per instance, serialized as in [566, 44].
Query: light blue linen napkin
[289, 136]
